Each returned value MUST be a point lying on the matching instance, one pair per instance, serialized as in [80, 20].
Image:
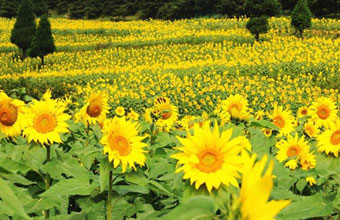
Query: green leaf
[262, 124]
[125, 189]
[11, 200]
[307, 207]
[198, 207]
[159, 186]
[104, 170]
[69, 187]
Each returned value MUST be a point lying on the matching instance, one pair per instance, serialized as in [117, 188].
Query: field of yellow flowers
[190, 119]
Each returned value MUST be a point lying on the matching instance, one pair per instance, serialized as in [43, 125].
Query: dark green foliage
[257, 26]
[43, 42]
[92, 9]
[39, 7]
[8, 8]
[301, 17]
[230, 7]
[24, 27]
[76, 9]
[258, 8]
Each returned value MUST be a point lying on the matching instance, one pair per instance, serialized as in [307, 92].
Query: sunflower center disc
[304, 112]
[166, 114]
[122, 145]
[323, 112]
[335, 138]
[209, 161]
[45, 123]
[94, 109]
[8, 114]
[292, 151]
[279, 121]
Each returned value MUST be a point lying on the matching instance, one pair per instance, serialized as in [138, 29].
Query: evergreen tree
[43, 42]
[8, 8]
[39, 7]
[24, 27]
[257, 26]
[301, 17]
[76, 9]
[259, 10]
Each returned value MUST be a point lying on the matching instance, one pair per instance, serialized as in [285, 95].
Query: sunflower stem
[109, 198]
[47, 179]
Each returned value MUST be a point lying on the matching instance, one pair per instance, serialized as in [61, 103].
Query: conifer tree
[43, 42]
[8, 8]
[24, 27]
[301, 17]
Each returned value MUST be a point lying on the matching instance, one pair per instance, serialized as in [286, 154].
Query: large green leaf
[199, 207]
[307, 207]
[11, 200]
[104, 169]
[69, 187]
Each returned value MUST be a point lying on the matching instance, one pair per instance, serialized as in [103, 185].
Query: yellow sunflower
[291, 150]
[210, 157]
[324, 111]
[311, 129]
[236, 106]
[147, 115]
[267, 132]
[310, 180]
[12, 119]
[133, 115]
[120, 111]
[283, 119]
[329, 141]
[302, 112]
[46, 120]
[122, 143]
[166, 112]
[95, 109]
[307, 160]
[256, 189]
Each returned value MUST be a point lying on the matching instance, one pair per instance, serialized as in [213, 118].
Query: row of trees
[162, 9]
[31, 40]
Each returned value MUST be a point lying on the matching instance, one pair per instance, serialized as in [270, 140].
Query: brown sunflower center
[94, 109]
[335, 138]
[279, 121]
[8, 114]
[166, 114]
[210, 161]
[304, 111]
[293, 151]
[44, 123]
[235, 106]
[120, 144]
[323, 111]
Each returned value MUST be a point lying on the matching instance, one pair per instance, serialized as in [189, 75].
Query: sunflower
[283, 119]
[95, 109]
[329, 141]
[236, 106]
[324, 111]
[122, 143]
[133, 115]
[302, 112]
[46, 120]
[210, 157]
[267, 132]
[307, 160]
[291, 150]
[311, 129]
[147, 115]
[256, 189]
[166, 112]
[310, 180]
[12, 119]
[120, 111]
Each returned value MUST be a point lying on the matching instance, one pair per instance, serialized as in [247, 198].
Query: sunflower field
[187, 119]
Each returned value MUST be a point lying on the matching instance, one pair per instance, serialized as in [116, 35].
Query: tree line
[157, 9]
